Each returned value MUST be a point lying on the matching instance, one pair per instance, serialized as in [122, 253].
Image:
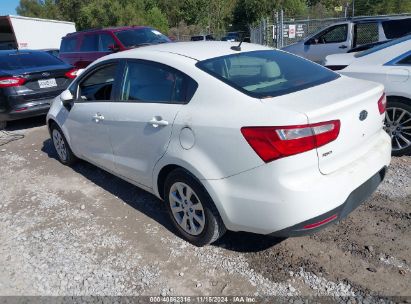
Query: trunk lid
[344, 99]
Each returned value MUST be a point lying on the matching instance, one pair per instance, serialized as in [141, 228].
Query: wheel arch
[398, 98]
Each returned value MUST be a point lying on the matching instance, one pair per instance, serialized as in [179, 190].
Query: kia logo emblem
[45, 74]
[363, 115]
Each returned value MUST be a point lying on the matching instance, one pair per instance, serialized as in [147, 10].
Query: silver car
[341, 37]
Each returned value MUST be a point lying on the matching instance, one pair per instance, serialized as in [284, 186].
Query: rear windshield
[142, 36]
[264, 74]
[396, 28]
[24, 60]
[382, 46]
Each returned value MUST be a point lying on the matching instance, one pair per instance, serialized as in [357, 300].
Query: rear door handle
[98, 117]
[343, 46]
[157, 121]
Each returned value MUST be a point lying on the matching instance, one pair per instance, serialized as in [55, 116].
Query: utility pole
[353, 8]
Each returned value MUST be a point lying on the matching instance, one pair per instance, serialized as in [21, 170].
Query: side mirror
[114, 48]
[310, 41]
[66, 98]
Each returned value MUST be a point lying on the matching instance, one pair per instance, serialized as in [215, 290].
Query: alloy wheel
[59, 145]
[187, 208]
[398, 126]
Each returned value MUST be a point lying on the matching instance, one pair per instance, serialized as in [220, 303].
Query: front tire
[398, 126]
[191, 209]
[61, 146]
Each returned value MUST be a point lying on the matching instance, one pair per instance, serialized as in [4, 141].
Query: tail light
[382, 104]
[272, 143]
[7, 82]
[71, 74]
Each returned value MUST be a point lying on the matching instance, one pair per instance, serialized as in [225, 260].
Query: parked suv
[82, 48]
[341, 37]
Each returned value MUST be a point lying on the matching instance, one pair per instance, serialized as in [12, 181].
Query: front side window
[365, 33]
[264, 74]
[152, 82]
[335, 34]
[89, 43]
[99, 85]
[141, 36]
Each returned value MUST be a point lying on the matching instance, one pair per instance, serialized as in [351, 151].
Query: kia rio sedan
[241, 138]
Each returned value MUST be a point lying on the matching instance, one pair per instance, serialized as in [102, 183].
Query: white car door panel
[151, 96]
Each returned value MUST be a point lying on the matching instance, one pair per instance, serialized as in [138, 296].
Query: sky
[8, 7]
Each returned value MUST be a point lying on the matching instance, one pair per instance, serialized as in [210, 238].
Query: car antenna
[238, 47]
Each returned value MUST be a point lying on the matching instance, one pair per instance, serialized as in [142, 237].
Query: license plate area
[47, 83]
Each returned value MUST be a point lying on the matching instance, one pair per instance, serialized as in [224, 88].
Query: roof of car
[8, 52]
[198, 50]
[110, 29]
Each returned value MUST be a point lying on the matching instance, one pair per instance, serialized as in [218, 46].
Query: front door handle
[343, 46]
[157, 121]
[98, 117]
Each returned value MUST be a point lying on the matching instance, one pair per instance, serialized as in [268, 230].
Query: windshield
[264, 74]
[26, 60]
[142, 36]
[382, 46]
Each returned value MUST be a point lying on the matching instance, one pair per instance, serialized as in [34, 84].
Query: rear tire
[191, 209]
[3, 125]
[61, 146]
[397, 122]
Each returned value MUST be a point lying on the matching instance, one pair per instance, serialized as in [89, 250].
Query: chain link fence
[278, 31]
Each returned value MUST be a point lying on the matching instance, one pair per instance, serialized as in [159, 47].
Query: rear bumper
[282, 197]
[25, 110]
[356, 198]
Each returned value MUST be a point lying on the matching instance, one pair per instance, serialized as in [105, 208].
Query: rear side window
[90, 43]
[396, 28]
[146, 81]
[27, 60]
[406, 60]
[99, 85]
[365, 33]
[264, 74]
[68, 45]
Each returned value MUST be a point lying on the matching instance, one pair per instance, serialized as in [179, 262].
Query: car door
[90, 115]
[150, 97]
[333, 40]
[89, 49]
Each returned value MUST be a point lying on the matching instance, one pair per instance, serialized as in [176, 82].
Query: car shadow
[152, 207]
[27, 123]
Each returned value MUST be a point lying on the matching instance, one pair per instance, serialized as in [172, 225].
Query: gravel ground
[81, 231]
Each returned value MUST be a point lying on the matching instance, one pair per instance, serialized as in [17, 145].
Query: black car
[29, 81]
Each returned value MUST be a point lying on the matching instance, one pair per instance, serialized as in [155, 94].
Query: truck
[18, 32]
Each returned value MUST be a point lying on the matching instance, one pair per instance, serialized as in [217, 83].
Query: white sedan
[242, 138]
[389, 64]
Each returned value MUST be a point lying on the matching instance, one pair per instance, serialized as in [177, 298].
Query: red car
[82, 48]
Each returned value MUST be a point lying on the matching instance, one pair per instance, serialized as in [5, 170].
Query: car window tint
[99, 85]
[89, 43]
[264, 74]
[152, 82]
[140, 36]
[406, 60]
[105, 41]
[396, 28]
[334, 34]
[365, 33]
[68, 45]
[27, 60]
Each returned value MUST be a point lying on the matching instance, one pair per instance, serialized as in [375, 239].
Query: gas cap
[187, 138]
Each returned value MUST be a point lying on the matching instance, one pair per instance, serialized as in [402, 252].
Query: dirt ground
[82, 231]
